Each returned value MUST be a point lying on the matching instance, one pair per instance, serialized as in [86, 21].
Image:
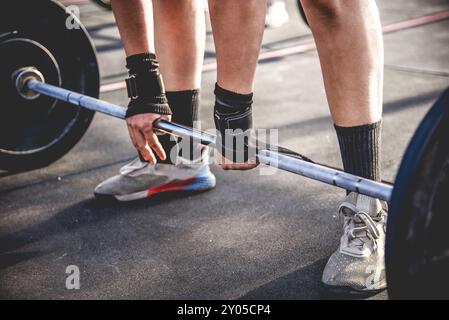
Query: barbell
[50, 83]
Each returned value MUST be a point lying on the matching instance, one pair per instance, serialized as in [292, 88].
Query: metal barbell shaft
[114, 110]
[77, 99]
[327, 175]
[301, 167]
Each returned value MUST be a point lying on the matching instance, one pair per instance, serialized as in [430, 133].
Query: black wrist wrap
[145, 86]
[233, 120]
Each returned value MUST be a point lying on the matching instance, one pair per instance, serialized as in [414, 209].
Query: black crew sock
[360, 149]
[184, 105]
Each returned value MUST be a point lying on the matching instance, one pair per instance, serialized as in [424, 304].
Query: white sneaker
[139, 180]
[358, 266]
[276, 15]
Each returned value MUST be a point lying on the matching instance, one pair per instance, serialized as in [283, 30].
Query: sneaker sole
[191, 185]
[342, 291]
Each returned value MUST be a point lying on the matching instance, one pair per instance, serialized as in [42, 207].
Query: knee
[323, 9]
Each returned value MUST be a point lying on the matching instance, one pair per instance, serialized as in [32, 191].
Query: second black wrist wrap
[233, 120]
[145, 86]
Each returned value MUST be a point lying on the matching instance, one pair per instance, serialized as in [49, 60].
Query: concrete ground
[253, 237]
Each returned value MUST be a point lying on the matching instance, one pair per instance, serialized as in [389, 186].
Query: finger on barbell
[144, 147]
[153, 142]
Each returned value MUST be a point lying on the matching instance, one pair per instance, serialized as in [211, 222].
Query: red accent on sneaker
[171, 186]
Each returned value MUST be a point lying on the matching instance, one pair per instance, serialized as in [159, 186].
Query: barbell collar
[20, 79]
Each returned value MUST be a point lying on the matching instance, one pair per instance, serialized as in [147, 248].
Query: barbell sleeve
[272, 158]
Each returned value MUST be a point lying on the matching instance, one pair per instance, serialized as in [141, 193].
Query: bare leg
[180, 38]
[238, 29]
[180, 34]
[349, 40]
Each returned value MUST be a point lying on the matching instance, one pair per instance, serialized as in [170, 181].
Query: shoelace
[137, 165]
[133, 166]
[363, 227]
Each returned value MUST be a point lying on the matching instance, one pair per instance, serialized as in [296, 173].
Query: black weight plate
[417, 244]
[34, 133]
[19, 114]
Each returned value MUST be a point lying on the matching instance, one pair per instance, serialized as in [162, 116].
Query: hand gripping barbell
[417, 249]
